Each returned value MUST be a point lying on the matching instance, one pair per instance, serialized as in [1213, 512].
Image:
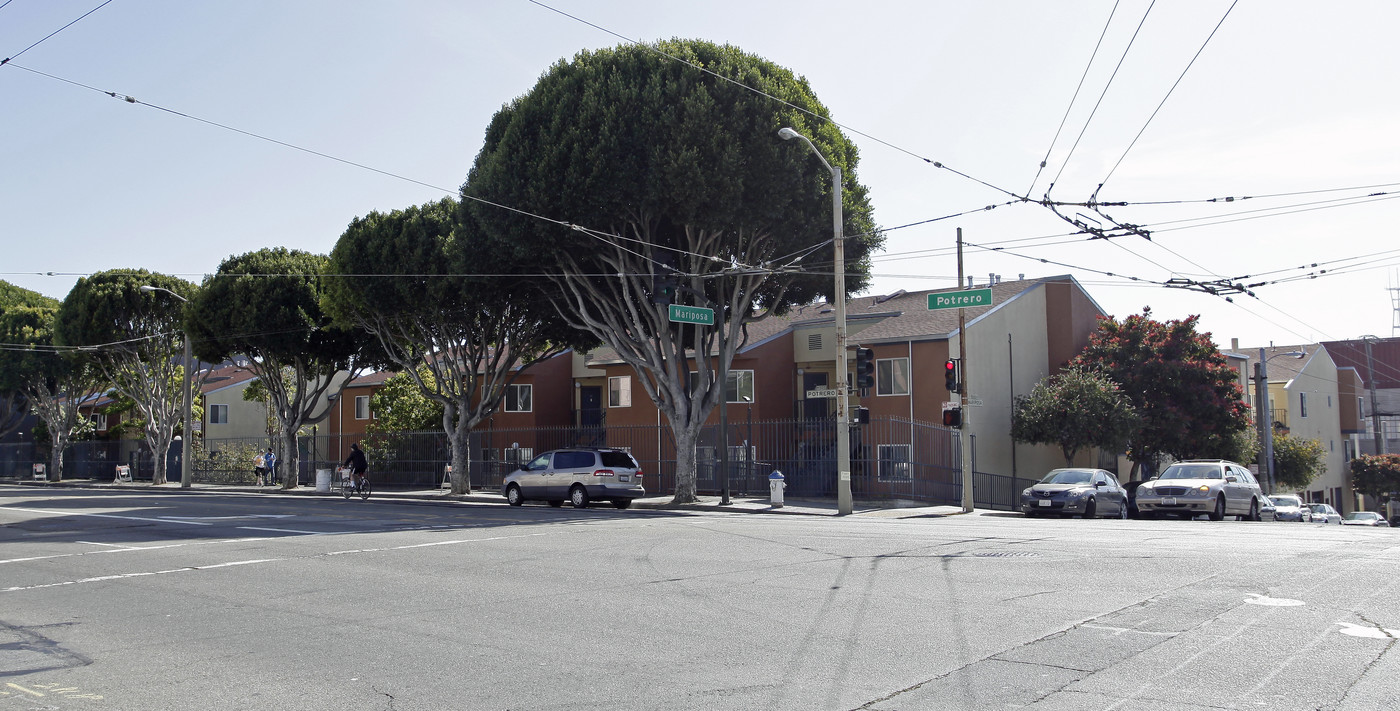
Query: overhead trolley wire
[51, 34]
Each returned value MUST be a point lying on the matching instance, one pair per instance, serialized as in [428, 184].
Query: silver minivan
[1201, 486]
[578, 475]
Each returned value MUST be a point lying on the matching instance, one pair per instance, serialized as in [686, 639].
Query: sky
[261, 123]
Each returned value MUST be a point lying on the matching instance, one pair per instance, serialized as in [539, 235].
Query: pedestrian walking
[270, 462]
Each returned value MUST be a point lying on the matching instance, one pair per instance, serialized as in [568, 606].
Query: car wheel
[1123, 512]
[1090, 509]
[1219, 513]
[1254, 511]
[1030, 514]
[513, 495]
[556, 503]
[578, 496]
[621, 503]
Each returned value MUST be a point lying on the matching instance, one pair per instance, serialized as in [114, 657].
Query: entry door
[590, 405]
[815, 408]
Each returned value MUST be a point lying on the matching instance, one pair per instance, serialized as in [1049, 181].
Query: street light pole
[1371, 377]
[843, 405]
[187, 444]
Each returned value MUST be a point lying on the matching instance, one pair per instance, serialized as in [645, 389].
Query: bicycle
[349, 487]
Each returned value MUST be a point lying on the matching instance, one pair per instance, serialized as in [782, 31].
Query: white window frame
[362, 406]
[885, 370]
[891, 469]
[517, 389]
[99, 421]
[214, 418]
[1302, 404]
[620, 391]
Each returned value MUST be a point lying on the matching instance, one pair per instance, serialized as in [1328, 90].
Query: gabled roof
[1282, 367]
[225, 377]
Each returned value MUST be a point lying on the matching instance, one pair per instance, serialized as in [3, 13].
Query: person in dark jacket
[357, 464]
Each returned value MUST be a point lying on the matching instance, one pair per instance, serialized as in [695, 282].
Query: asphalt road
[115, 600]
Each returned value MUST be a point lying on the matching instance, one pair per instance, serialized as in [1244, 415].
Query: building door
[590, 405]
[815, 408]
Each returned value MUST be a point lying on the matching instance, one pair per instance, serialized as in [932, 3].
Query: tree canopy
[446, 304]
[22, 315]
[1075, 409]
[1297, 461]
[134, 338]
[637, 166]
[1188, 397]
[1376, 475]
[266, 305]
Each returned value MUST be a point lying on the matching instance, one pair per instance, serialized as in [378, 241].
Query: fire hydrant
[776, 484]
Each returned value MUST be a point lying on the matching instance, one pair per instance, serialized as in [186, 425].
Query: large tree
[1075, 409]
[14, 362]
[266, 305]
[1377, 475]
[56, 383]
[1187, 395]
[446, 310]
[134, 338]
[657, 162]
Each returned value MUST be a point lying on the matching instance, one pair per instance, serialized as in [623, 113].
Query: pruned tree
[57, 384]
[665, 177]
[133, 337]
[266, 305]
[14, 363]
[1075, 409]
[444, 310]
[1187, 396]
[401, 406]
[1297, 461]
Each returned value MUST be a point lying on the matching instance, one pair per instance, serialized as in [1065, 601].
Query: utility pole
[1371, 376]
[1265, 418]
[964, 434]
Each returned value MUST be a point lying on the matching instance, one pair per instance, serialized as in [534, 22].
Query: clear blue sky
[1287, 97]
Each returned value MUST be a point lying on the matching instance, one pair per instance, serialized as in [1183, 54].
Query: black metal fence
[891, 459]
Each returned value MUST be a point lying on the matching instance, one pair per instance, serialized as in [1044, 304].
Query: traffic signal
[663, 284]
[865, 368]
[952, 417]
[862, 415]
[951, 375]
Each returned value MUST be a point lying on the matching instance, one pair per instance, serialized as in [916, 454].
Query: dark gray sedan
[1071, 492]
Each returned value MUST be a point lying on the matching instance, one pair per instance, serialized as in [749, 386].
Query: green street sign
[959, 299]
[692, 314]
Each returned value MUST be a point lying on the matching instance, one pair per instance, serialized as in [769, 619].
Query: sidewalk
[744, 504]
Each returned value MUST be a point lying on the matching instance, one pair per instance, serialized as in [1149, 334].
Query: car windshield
[1318, 508]
[1192, 471]
[1286, 501]
[1068, 476]
[1362, 516]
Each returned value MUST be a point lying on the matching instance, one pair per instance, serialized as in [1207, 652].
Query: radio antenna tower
[1395, 306]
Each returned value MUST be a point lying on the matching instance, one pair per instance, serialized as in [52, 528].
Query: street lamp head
[147, 287]
[787, 134]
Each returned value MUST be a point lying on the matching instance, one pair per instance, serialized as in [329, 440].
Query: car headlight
[1144, 491]
[1025, 493]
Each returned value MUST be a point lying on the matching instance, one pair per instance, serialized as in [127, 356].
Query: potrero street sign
[960, 299]
[692, 314]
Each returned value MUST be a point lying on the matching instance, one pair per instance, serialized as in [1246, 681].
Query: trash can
[775, 488]
[323, 481]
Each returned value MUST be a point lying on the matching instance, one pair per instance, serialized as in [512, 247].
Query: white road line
[293, 530]
[132, 549]
[124, 518]
[113, 545]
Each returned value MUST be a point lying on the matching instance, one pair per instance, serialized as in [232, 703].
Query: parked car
[1290, 508]
[1201, 486]
[579, 476]
[1322, 513]
[1267, 510]
[1085, 492]
[1365, 518]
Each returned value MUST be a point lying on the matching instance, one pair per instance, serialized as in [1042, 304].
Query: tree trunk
[685, 464]
[55, 472]
[460, 437]
[290, 461]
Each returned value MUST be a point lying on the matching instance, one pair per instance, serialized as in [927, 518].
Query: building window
[892, 376]
[218, 414]
[1361, 408]
[518, 398]
[1302, 404]
[738, 387]
[99, 421]
[894, 462]
[362, 407]
[620, 391]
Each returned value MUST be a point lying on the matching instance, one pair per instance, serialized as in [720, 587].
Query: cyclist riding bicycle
[357, 464]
